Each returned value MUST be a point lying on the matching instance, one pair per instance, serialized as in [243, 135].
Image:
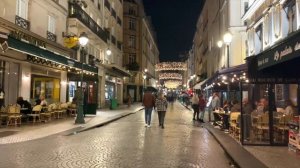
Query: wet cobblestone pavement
[123, 143]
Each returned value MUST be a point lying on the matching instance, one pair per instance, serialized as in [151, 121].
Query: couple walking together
[161, 105]
[198, 105]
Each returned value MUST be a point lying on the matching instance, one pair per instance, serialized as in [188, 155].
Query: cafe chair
[234, 128]
[281, 127]
[46, 114]
[262, 126]
[72, 109]
[52, 109]
[36, 114]
[14, 115]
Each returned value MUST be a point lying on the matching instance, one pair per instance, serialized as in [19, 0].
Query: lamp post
[144, 82]
[83, 40]
[227, 38]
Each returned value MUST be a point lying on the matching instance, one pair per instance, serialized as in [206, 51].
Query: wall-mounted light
[108, 52]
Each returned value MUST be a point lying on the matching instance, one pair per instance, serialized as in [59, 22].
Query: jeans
[202, 112]
[148, 113]
[161, 117]
[196, 111]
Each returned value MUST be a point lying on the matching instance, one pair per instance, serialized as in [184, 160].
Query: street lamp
[227, 38]
[108, 52]
[144, 83]
[220, 43]
[146, 70]
[83, 40]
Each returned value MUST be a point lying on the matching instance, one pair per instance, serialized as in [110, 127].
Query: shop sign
[25, 37]
[285, 51]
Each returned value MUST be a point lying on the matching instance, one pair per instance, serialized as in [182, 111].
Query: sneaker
[162, 127]
[146, 125]
[149, 126]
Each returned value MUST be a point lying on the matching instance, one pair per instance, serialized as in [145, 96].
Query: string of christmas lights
[171, 66]
[172, 83]
[170, 76]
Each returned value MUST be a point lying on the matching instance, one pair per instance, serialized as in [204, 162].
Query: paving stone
[123, 143]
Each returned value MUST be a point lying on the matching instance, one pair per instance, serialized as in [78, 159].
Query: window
[291, 15]
[22, 8]
[132, 41]
[132, 58]
[132, 24]
[258, 39]
[131, 11]
[51, 24]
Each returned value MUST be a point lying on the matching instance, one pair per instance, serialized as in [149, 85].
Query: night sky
[175, 23]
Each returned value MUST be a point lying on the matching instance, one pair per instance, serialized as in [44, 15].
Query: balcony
[113, 13]
[51, 36]
[113, 40]
[119, 45]
[119, 21]
[25, 24]
[107, 4]
[75, 11]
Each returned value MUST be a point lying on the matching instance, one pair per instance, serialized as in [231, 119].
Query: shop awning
[116, 71]
[46, 54]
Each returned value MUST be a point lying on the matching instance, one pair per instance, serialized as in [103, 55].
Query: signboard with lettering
[284, 51]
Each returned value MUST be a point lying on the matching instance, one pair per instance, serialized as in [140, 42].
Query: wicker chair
[36, 113]
[13, 115]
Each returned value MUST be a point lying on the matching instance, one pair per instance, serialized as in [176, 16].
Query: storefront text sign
[284, 51]
[25, 37]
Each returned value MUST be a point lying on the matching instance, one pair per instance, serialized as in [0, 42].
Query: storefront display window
[109, 91]
[45, 86]
[267, 111]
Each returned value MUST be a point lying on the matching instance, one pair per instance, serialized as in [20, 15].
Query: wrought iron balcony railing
[107, 4]
[25, 24]
[51, 36]
[119, 45]
[75, 11]
[113, 13]
[119, 21]
[113, 40]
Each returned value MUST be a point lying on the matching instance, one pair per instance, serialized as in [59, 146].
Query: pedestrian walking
[195, 106]
[129, 100]
[149, 103]
[161, 104]
[202, 104]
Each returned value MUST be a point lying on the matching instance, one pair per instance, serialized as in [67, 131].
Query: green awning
[46, 54]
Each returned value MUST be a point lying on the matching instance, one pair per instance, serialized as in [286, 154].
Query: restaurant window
[22, 8]
[290, 11]
[132, 58]
[131, 11]
[51, 24]
[267, 111]
[277, 21]
[132, 42]
[258, 41]
[132, 24]
[45, 86]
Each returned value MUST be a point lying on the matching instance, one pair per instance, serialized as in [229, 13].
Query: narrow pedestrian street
[124, 143]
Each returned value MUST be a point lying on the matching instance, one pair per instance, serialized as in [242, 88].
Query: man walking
[149, 103]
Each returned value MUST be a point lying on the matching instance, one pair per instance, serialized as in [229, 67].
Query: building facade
[34, 61]
[45, 54]
[216, 19]
[140, 49]
[272, 58]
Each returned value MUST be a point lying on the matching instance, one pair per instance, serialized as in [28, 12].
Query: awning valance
[116, 71]
[33, 50]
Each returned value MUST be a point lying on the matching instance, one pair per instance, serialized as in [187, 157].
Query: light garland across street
[163, 76]
[172, 83]
[171, 66]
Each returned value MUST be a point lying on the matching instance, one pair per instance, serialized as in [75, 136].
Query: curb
[237, 153]
[112, 119]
